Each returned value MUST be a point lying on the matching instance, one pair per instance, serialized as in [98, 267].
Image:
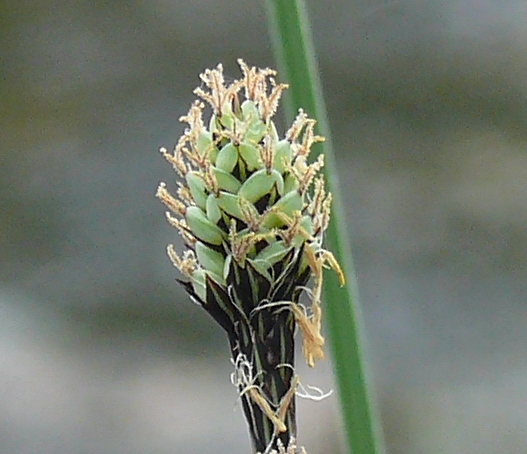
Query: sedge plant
[252, 209]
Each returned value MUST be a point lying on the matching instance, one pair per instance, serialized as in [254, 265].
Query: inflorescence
[252, 213]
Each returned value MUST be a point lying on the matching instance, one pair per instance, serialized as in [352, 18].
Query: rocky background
[100, 351]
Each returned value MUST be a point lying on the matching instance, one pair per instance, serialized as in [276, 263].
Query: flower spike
[252, 210]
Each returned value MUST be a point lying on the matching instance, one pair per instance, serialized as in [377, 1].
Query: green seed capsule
[230, 204]
[249, 110]
[260, 183]
[227, 119]
[287, 205]
[198, 284]
[250, 154]
[227, 266]
[290, 203]
[226, 181]
[213, 154]
[290, 183]
[227, 158]
[213, 210]
[282, 155]
[307, 226]
[197, 188]
[271, 254]
[255, 132]
[213, 123]
[209, 259]
[202, 228]
[204, 142]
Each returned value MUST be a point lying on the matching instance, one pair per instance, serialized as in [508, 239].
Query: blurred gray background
[101, 353]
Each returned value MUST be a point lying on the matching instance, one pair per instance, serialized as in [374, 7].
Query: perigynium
[252, 212]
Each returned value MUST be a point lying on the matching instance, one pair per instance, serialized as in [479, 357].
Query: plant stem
[297, 65]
